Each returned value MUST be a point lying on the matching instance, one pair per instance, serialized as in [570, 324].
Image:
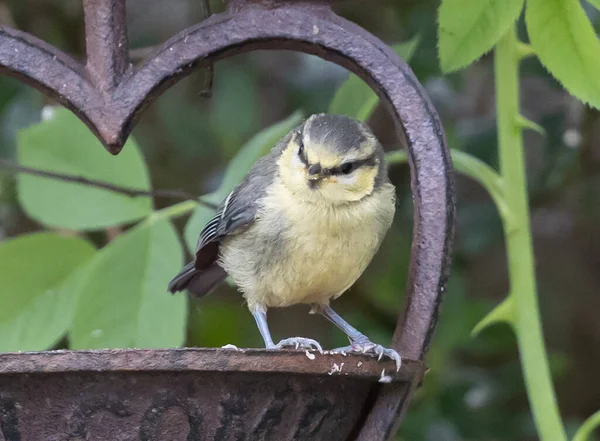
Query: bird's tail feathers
[182, 280]
[197, 282]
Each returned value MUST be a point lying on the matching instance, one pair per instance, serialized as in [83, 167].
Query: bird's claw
[372, 349]
[299, 343]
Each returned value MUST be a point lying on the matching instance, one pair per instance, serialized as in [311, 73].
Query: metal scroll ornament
[208, 394]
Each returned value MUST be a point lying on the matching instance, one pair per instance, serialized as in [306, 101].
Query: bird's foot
[298, 343]
[370, 348]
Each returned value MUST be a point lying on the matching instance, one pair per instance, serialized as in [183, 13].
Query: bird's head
[332, 159]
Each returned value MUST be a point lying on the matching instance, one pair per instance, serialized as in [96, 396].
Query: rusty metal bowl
[190, 394]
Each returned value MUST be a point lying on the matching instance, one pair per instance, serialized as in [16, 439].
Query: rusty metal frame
[188, 394]
[109, 95]
[205, 360]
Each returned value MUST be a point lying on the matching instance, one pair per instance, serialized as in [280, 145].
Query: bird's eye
[347, 168]
[300, 148]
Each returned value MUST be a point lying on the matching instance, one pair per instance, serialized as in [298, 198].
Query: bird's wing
[239, 208]
[232, 215]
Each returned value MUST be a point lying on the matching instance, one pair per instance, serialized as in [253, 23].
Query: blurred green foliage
[563, 39]
[474, 388]
[63, 145]
[37, 299]
[468, 30]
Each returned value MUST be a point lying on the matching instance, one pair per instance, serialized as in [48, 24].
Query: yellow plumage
[302, 227]
[323, 249]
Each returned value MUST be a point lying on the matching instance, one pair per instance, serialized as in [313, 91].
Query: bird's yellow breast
[299, 252]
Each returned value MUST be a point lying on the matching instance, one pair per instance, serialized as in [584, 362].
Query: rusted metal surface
[208, 360]
[105, 43]
[173, 395]
[109, 96]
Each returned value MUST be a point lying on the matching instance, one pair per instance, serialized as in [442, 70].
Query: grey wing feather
[237, 211]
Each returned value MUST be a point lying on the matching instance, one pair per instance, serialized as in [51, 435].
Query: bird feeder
[216, 394]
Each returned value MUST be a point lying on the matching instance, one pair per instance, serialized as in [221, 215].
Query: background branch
[130, 192]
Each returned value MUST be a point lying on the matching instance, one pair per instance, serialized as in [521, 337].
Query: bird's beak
[314, 172]
[314, 175]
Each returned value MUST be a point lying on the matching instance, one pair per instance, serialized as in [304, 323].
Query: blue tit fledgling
[301, 227]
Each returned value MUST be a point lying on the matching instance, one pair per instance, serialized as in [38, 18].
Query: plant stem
[584, 432]
[475, 169]
[527, 322]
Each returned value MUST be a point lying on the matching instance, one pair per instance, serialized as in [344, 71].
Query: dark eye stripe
[368, 161]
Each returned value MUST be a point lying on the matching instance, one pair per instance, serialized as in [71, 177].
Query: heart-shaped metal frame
[109, 95]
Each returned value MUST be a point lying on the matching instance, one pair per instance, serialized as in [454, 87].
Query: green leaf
[63, 144]
[254, 149]
[37, 277]
[355, 98]
[468, 29]
[566, 45]
[124, 300]
[595, 4]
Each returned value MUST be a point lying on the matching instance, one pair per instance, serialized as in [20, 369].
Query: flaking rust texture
[188, 394]
[109, 94]
[186, 406]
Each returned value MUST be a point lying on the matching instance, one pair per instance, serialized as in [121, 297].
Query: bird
[301, 228]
